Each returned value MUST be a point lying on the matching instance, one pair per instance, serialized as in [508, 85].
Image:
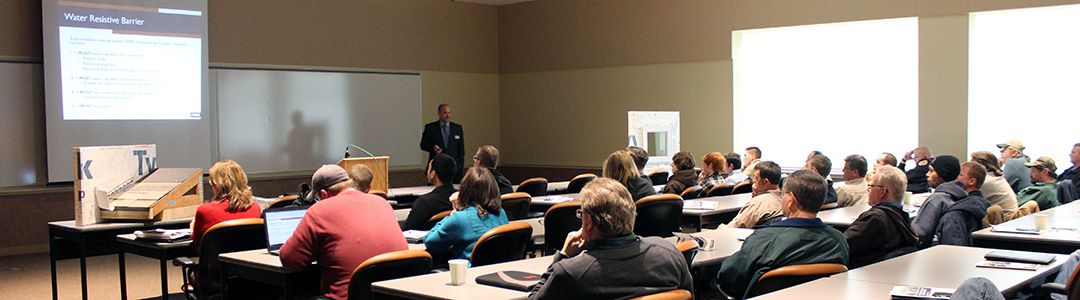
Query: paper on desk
[559, 199]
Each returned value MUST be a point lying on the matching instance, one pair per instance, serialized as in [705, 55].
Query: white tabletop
[1062, 230]
[1070, 210]
[832, 289]
[437, 285]
[725, 204]
[946, 267]
[727, 242]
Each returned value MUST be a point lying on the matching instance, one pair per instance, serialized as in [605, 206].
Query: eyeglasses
[579, 213]
[475, 158]
[877, 185]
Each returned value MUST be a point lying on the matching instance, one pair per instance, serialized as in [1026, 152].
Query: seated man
[965, 216]
[1073, 172]
[1044, 190]
[342, 230]
[361, 177]
[917, 176]
[942, 176]
[731, 169]
[800, 239]
[605, 260]
[884, 231]
[488, 157]
[765, 206]
[1013, 165]
[440, 172]
[853, 192]
[750, 160]
[822, 165]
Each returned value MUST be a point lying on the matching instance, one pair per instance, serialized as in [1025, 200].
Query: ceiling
[493, 2]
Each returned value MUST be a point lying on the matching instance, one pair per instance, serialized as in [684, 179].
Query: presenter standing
[443, 136]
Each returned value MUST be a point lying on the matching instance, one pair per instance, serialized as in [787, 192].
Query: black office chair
[534, 186]
[691, 192]
[229, 236]
[502, 244]
[721, 190]
[435, 220]
[669, 295]
[516, 205]
[386, 266]
[659, 177]
[579, 182]
[282, 201]
[1066, 191]
[658, 215]
[559, 221]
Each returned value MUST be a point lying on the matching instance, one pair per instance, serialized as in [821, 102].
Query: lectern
[378, 166]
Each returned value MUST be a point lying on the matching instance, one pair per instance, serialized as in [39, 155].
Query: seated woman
[477, 209]
[620, 167]
[711, 172]
[683, 174]
[232, 199]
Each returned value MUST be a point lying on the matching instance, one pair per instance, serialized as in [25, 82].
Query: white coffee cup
[457, 271]
[907, 198]
[1040, 221]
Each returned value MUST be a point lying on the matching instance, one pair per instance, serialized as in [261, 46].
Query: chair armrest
[1046, 289]
[185, 262]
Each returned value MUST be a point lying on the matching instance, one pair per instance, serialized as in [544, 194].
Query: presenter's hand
[574, 243]
[438, 149]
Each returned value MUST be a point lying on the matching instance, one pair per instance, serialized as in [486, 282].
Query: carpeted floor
[28, 277]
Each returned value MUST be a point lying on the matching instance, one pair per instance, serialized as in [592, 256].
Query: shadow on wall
[304, 143]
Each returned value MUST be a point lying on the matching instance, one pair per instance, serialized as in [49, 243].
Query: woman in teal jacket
[477, 209]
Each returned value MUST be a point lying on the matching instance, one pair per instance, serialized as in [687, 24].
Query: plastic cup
[1040, 222]
[907, 198]
[457, 271]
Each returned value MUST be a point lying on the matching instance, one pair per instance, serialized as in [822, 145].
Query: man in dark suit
[443, 136]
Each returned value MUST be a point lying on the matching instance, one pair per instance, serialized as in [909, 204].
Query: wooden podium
[378, 166]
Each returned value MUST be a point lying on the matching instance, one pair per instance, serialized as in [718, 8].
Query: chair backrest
[282, 201]
[659, 177]
[743, 187]
[669, 295]
[516, 205]
[721, 190]
[788, 276]
[380, 193]
[502, 244]
[435, 220]
[689, 249]
[229, 236]
[386, 266]
[534, 186]
[691, 192]
[1066, 191]
[579, 182]
[559, 221]
[658, 215]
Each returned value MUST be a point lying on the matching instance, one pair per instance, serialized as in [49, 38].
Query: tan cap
[1014, 143]
[1043, 162]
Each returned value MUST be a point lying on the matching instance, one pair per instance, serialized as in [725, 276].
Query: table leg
[82, 266]
[123, 274]
[164, 280]
[52, 262]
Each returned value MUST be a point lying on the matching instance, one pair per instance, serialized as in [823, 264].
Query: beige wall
[585, 63]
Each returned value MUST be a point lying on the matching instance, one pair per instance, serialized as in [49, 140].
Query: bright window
[842, 88]
[1024, 73]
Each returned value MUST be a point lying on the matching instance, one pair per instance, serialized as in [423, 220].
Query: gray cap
[327, 176]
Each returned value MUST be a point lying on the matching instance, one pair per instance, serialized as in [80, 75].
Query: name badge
[457, 137]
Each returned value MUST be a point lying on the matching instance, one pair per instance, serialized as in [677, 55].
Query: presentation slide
[122, 62]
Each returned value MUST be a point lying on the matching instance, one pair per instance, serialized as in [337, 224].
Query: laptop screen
[280, 225]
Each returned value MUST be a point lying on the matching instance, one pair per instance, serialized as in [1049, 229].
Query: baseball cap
[325, 177]
[1043, 162]
[1013, 143]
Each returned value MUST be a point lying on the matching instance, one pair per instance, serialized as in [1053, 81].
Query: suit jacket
[433, 136]
[428, 205]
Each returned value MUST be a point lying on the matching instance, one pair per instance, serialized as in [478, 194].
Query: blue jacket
[459, 231]
[960, 220]
[926, 221]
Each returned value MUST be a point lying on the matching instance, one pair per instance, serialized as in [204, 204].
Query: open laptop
[280, 224]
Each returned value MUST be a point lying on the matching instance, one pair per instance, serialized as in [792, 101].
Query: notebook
[1017, 256]
[280, 224]
[515, 280]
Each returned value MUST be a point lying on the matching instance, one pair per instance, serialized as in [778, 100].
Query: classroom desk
[832, 289]
[842, 217]
[1070, 210]
[727, 242]
[1063, 235]
[401, 215]
[726, 209]
[92, 240]
[437, 285]
[411, 192]
[164, 252]
[259, 265]
[946, 267]
[543, 203]
[553, 188]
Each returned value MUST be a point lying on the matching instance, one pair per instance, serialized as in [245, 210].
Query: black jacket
[880, 233]
[917, 182]
[680, 181]
[641, 189]
[428, 205]
[505, 187]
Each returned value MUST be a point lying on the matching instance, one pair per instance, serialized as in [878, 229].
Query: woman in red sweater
[232, 199]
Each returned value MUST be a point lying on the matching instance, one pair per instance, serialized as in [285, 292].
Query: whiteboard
[292, 120]
[22, 97]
